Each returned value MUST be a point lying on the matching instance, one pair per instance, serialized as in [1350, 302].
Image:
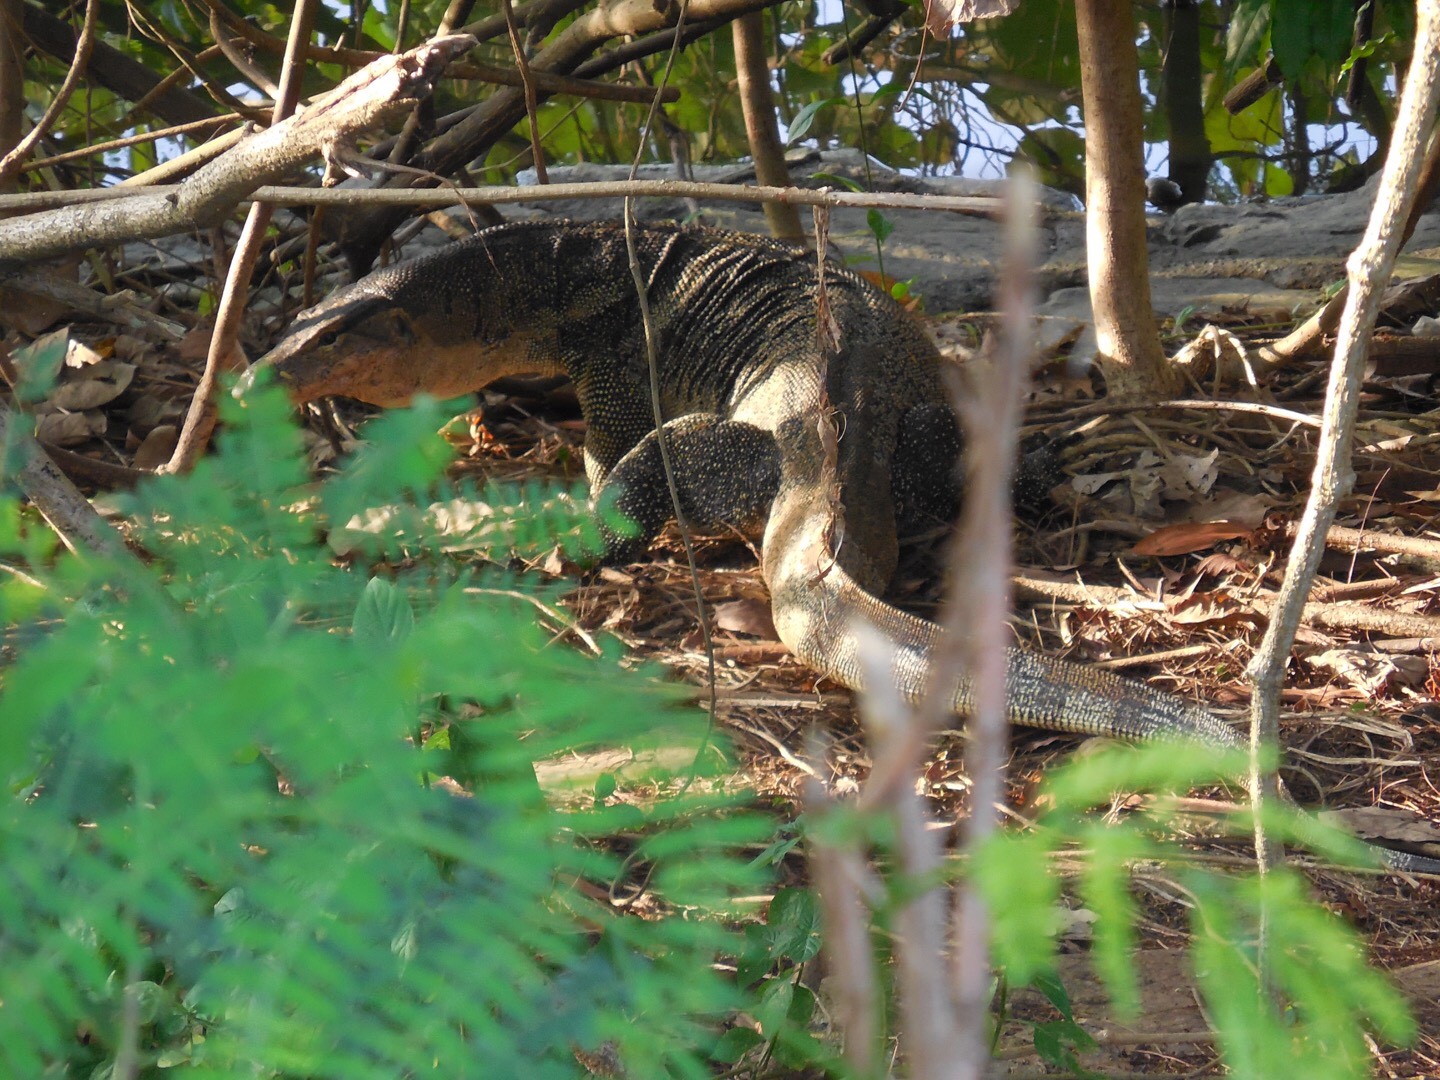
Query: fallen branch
[1340, 538]
[51, 492]
[1346, 615]
[368, 99]
[1307, 339]
[434, 198]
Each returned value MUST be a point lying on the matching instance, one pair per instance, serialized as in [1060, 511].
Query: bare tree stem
[225, 354]
[982, 559]
[1368, 272]
[757, 103]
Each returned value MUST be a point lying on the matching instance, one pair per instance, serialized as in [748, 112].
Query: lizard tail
[816, 618]
[817, 606]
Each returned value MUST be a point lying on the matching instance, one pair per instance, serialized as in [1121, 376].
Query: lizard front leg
[727, 473]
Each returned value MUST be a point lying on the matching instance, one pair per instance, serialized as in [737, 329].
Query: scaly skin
[741, 372]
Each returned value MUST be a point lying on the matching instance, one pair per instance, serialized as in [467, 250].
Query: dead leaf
[80, 355]
[1203, 607]
[69, 429]
[155, 449]
[1219, 564]
[1186, 475]
[1225, 504]
[553, 563]
[941, 16]
[40, 363]
[28, 313]
[747, 616]
[1384, 823]
[1369, 671]
[147, 411]
[130, 347]
[100, 383]
[1411, 300]
[195, 345]
[1076, 924]
[1185, 538]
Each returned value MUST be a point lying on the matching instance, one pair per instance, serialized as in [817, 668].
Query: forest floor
[1361, 728]
[1099, 584]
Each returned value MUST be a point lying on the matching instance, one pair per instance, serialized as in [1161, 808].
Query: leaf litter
[1166, 538]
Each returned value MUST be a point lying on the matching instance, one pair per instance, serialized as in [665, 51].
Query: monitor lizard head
[400, 333]
[356, 343]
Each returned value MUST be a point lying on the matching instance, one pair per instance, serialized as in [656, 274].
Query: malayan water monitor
[740, 380]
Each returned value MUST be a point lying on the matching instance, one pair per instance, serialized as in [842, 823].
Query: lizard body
[743, 383]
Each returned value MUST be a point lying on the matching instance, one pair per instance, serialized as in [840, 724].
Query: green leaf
[793, 926]
[1301, 29]
[755, 960]
[777, 999]
[383, 616]
[605, 786]
[1105, 886]
[1080, 785]
[1245, 36]
[835, 180]
[880, 226]
[806, 117]
[735, 1044]
[1022, 896]
[802, 1005]
[1365, 50]
[216, 788]
[1049, 984]
[1057, 1041]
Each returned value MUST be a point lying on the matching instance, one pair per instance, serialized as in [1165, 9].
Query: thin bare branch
[428, 198]
[532, 100]
[982, 558]
[1368, 272]
[225, 354]
[96, 149]
[842, 882]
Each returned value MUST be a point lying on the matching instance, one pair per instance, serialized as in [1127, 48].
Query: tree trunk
[1131, 359]
[12, 81]
[1184, 110]
[752, 68]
